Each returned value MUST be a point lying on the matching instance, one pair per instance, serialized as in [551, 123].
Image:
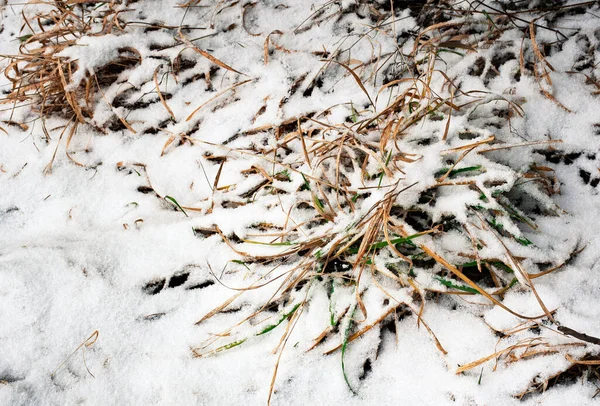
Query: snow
[82, 247]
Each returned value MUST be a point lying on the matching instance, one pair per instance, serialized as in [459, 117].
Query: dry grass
[42, 79]
[578, 372]
[370, 139]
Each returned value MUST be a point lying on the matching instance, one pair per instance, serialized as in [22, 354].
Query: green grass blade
[284, 317]
[524, 241]
[237, 261]
[387, 161]
[306, 184]
[318, 203]
[331, 309]
[176, 204]
[345, 345]
[230, 345]
[450, 284]
[439, 51]
[455, 172]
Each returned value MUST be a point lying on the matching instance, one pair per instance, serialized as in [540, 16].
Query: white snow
[80, 246]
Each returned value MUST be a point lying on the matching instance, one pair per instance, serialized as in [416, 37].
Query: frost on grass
[350, 169]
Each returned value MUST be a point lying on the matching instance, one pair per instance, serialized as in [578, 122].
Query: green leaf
[514, 213]
[230, 345]
[285, 174]
[455, 172]
[284, 317]
[237, 261]
[24, 38]
[487, 15]
[496, 225]
[387, 161]
[452, 51]
[502, 266]
[410, 106]
[450, 284]
[524, 241]
[176, 204]
[497, 264]
[345, 345]
[331, 309]
[306, 185]
[319, 203]
[354, 116]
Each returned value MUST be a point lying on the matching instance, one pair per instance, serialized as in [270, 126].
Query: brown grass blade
[366, 328]
[474, 364]
[582, 362]
[215, 97]
[266, 45]
[469, 282]
[219, 308]
[160, 96]
[356, 78]
[68, 142]
[216, 182]
[209, 56]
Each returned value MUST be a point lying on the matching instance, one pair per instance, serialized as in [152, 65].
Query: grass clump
[41, 78]
[45, 81]
[374, 193]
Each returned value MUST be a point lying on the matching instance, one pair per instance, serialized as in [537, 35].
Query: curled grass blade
[172, 200]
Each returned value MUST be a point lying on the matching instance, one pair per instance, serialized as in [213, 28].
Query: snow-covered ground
[103, 276]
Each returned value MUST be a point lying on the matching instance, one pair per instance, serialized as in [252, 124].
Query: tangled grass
[374, 188]
[43, 79]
